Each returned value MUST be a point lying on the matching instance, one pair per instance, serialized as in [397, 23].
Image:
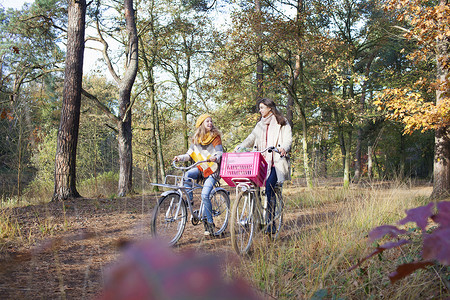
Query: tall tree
[125, 85]
[259, 54]
[429, 27]
[292, 41]
[441, 184]
[151, 41]
[28, 55]
[187, 44]
[357, 38]
[66, 150]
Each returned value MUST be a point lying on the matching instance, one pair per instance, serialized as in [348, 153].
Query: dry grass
[326, 232]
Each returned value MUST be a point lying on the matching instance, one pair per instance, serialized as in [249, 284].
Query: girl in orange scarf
[206, 145]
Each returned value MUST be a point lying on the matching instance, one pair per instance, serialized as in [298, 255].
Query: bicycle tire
[278, 214]
[220, 202]
[169, 218]
[242, 224]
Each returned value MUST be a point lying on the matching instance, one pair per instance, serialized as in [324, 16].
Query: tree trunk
[259, 62]
[402, 153]
[358, 163]
[184, 117]
[292, 90]
[362, 109]
[159, 148]
[441, 173]
[309, 183]
[149, 63]
[125, 86]
[159, 158]
[66, 150]
[347, 160]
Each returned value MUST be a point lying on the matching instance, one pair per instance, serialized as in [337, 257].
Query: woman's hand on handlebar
[176, 158]
[278, 149]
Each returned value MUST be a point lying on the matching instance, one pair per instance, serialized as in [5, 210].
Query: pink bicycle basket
[249, 165]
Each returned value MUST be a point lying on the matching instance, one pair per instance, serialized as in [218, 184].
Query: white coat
[277, 136]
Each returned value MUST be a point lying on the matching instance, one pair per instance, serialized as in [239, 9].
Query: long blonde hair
[201, 132]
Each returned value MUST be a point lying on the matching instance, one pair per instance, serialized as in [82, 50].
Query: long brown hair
[273, 108]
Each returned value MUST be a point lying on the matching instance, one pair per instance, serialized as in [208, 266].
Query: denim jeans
[208, 185]
[270, 193]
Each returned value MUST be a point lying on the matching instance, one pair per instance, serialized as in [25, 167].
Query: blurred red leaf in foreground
[149, 270]
[435, 240]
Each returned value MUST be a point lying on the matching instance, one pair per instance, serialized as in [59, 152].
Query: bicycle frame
[249, 212]
[260, 207]
[179, 188]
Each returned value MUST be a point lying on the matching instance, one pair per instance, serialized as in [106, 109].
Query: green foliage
[104, 185]
[43, 158]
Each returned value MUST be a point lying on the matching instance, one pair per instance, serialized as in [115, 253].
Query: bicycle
[248, 214]
[170, 213]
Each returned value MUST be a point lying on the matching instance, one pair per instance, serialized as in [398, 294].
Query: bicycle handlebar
[188, 167]
[269, 149]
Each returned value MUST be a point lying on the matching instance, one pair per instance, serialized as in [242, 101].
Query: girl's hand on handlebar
[176, 158]
[282, 151]
[212, 159]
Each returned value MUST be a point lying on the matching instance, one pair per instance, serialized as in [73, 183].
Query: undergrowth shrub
[104, 185]
[40, 190]
[8, 226]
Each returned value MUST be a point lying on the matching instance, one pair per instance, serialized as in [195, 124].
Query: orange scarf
[207, 139]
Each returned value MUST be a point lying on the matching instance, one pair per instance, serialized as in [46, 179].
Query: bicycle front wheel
[277, 221]
[169, 218]
[220, 202]
[242, 222]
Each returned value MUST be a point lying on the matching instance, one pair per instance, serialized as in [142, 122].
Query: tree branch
[100, 105]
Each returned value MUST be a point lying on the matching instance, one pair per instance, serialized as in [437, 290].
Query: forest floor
[63, 249]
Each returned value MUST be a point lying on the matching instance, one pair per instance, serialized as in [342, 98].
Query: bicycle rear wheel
[169, 218]
[220, 202]
[242, 222]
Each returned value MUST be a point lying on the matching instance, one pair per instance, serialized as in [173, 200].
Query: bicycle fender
[168, 192]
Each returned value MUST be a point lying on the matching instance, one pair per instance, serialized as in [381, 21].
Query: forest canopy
[364, 85]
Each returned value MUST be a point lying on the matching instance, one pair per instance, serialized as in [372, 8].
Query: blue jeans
[270, 193]
[208, 185]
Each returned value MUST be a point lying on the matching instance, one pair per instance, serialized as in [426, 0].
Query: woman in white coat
[274, 130]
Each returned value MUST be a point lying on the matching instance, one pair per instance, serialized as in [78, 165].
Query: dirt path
[71, 244]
